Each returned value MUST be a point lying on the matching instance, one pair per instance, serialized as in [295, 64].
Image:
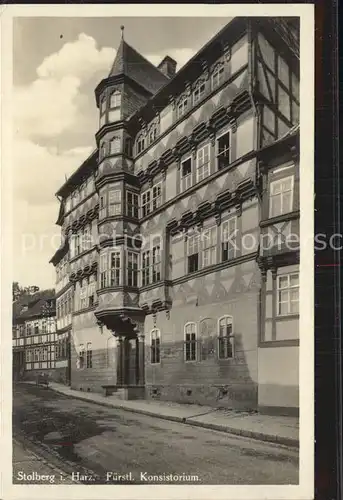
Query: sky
[57, 63]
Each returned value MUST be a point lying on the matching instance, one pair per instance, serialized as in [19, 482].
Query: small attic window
[115, 100]
[140, 144]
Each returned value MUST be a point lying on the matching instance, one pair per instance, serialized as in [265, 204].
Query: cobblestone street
[84, 439]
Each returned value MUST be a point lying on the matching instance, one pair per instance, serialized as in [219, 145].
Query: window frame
[291, 190]
[191, 341]
[152, 202]
[223, 241]
[116, 140]
[197, 244]
[287, 289]
[132, 209]
[203, 165]
[116, 202]
[184, 184]
[89, 355]
[217, 70]
[131, 270]
[196, 98]
[226, 336]
[182, 106]
[212, 248]
[218, 137]
[114, 96]
[155, 346]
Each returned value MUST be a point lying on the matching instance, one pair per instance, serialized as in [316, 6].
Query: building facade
[173, 294]
[34, 336]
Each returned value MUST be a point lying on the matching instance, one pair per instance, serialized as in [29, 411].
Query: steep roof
[129, 62]
[34, 305]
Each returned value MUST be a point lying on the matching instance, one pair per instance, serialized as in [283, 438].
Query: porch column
[141, 359]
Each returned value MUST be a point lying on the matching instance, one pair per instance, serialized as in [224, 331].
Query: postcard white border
[305, 489]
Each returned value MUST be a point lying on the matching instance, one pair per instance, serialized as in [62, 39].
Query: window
[128, 146]
[186, 174]
[182, 106]
[156, 263]
[146, 203]
[36, 354]
[209, 246]
[155, 346]
[140, 144]
[83, 294]
[103, 104]
[45, 354]
[28, 329]
[225, 338]
[103, 270]
[281, 197]
[132, 204]
[152, 133]
[193, 253]
[151, 199]
[89, 359]
[115, 100]
[36, 328]
[288, 294]
[203, 162]
[217, 77]
[229, 239]
[114, 278]
[114, 202]
[132, 269]
[156, 196]
[115, 145]
[190, 345]
[91, 290]
[198, 92]
[86, 238]
[81, 355]
[102, 207]
[223, 150]
[146, 268]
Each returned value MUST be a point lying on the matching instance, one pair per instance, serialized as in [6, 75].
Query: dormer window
[199, 92]
[152, 133]
[115, 145]
[217, 76]
[140, 144]
[115, 100]
[182, 106]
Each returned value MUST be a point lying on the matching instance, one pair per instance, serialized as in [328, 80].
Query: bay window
[132, 269]
[132, 204]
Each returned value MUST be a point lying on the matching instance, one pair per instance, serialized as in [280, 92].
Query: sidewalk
[280, 430]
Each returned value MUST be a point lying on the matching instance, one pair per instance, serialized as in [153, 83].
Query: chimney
[168, 67]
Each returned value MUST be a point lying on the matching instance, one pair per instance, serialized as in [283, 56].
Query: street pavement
[98, 445]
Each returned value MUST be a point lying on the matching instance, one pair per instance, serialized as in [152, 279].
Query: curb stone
[260, 436]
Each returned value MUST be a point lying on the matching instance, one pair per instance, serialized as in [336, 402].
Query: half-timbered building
[174, 296]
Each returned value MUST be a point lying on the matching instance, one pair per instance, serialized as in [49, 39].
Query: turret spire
[122, 31]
